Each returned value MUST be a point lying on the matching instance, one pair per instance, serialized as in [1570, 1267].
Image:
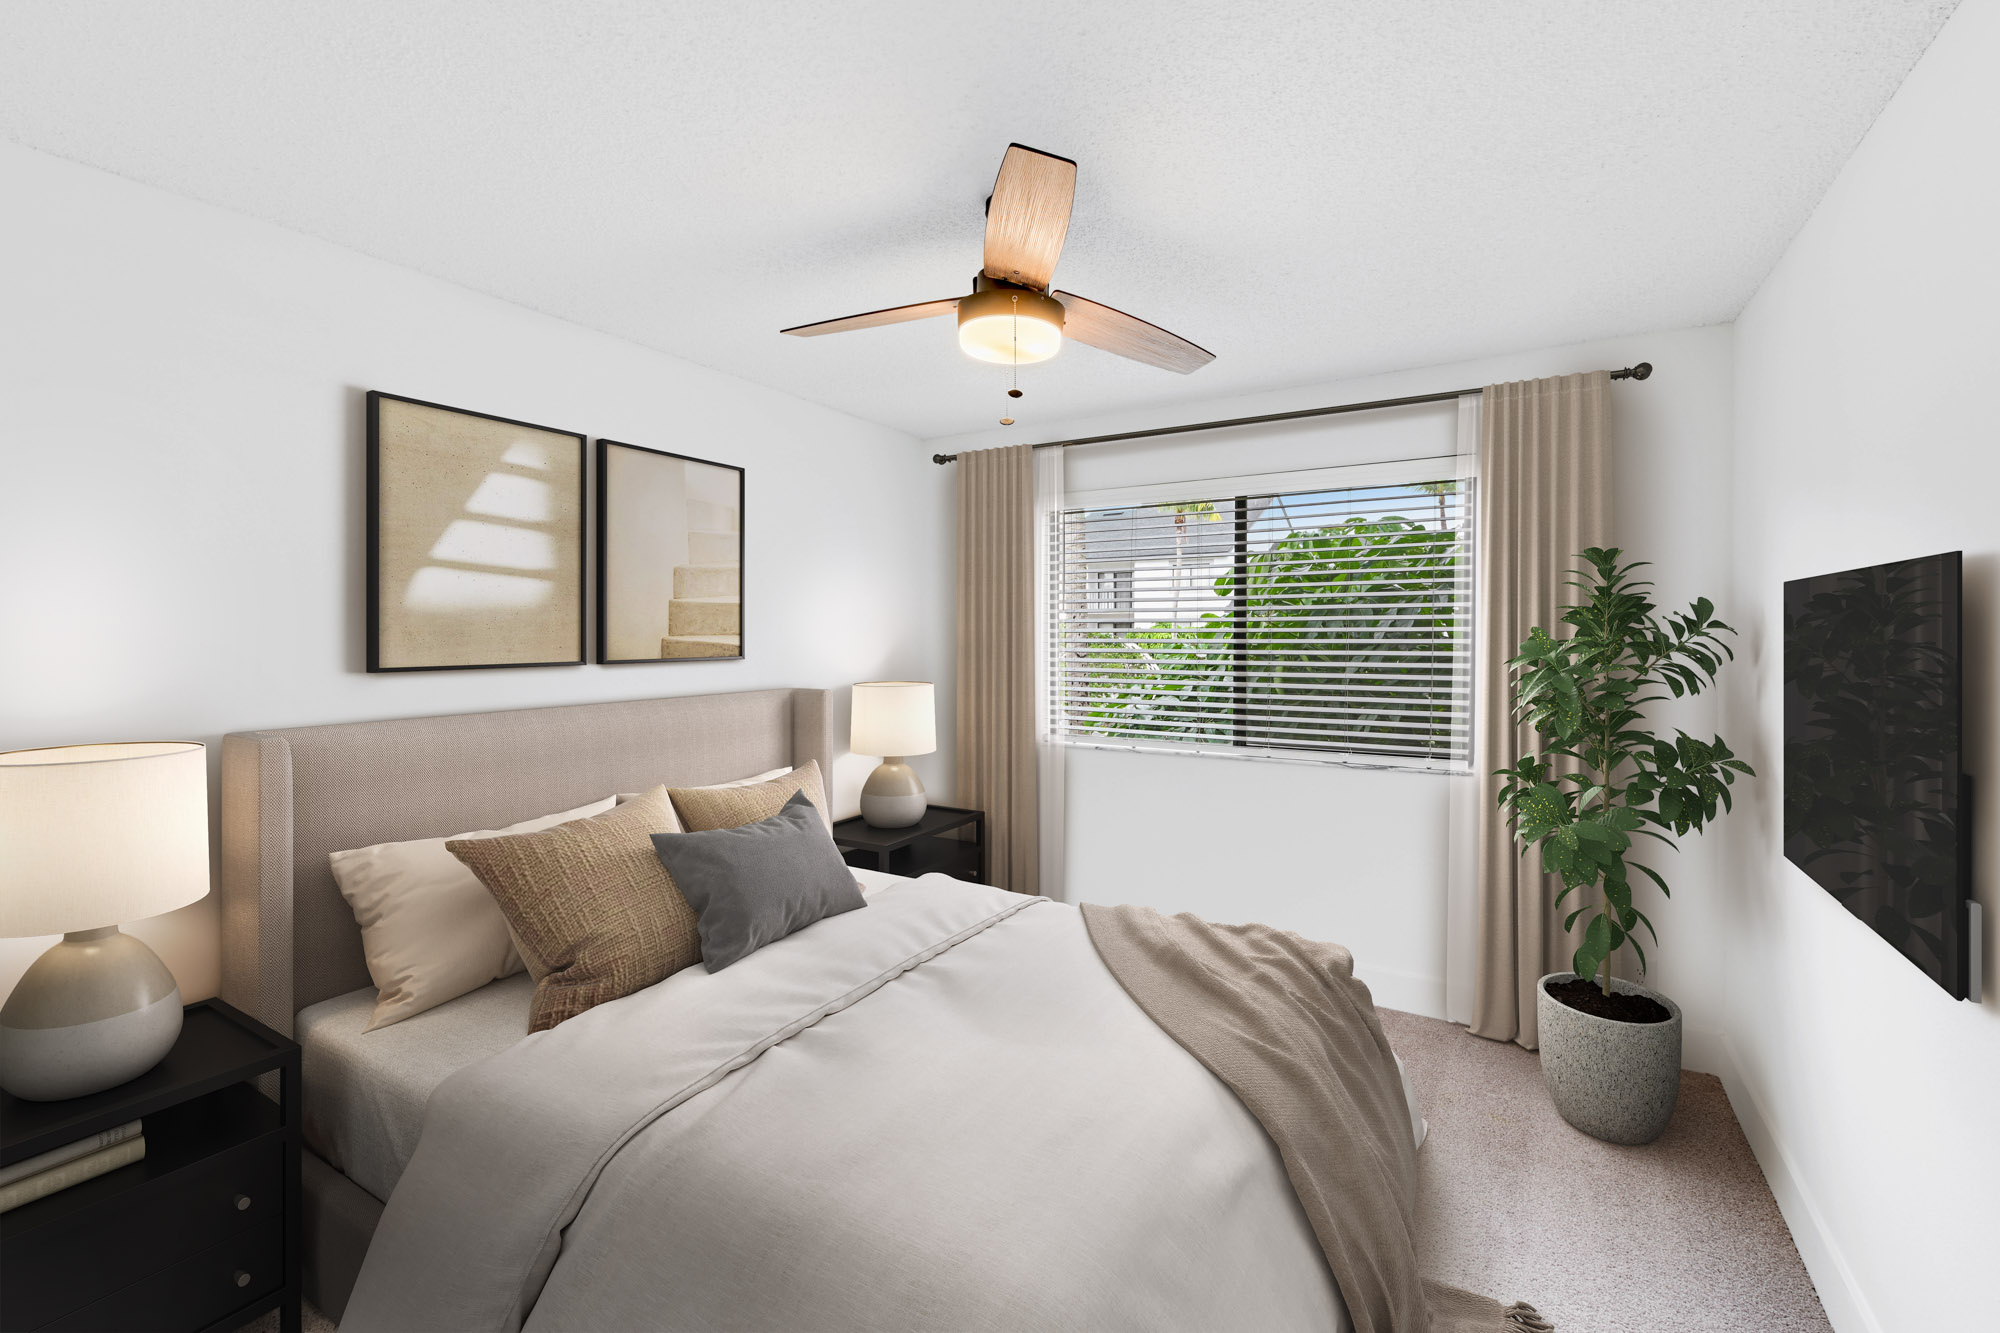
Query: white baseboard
[1847, 1309]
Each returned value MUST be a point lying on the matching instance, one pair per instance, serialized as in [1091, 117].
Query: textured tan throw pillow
[705, 808]
[594, 912]
[625, 796]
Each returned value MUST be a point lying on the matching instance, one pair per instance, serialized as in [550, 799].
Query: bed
[290, 797]
[940, 1111]
[365, 1092]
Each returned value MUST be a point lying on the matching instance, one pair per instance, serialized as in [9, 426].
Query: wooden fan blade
[1129, 336]
[1028, 216]
[900, 314]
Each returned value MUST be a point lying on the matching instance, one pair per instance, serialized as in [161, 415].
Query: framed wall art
[669, 556]
[475, 539]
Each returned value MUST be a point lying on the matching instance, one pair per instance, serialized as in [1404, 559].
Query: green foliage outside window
[1350, 615]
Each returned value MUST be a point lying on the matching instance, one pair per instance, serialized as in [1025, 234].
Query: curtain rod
[1638, 372]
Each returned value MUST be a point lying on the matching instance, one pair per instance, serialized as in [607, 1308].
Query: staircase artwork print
[669, 556]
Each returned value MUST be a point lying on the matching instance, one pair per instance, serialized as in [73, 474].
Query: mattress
[365, 1092]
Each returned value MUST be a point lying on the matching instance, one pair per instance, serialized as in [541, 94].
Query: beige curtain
[997, 732]
[1544, 495]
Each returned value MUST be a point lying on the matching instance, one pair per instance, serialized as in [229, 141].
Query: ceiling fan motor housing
[1009, 325]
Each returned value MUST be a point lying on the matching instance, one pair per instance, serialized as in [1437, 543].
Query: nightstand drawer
[192, 1294]
[89, 1253]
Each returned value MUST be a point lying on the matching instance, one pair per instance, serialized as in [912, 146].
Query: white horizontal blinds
[1329, 622]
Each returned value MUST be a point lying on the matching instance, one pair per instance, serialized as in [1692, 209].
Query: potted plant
[1611, 1050]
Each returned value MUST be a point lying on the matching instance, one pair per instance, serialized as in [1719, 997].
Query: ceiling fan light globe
[1009, 326]
[996, 338]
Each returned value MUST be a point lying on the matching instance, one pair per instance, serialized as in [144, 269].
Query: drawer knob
[242, 1203]
[242, 1278]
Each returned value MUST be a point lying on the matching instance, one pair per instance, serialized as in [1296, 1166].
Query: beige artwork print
[479, 545]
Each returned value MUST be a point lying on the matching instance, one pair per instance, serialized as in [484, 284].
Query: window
[1330, 623]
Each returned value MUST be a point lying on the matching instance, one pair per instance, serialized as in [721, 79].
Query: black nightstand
[203, 1232]
[918, 850]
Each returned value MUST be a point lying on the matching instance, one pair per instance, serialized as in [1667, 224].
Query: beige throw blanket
[1284, 1023]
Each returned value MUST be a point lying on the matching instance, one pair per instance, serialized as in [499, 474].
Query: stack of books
[72, 1164]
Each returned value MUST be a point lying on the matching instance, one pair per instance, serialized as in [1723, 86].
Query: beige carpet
[1679, 1235]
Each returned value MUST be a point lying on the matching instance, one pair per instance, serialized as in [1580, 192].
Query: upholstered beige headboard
[290, 797]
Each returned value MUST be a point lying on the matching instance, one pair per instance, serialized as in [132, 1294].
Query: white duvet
[937, 1112]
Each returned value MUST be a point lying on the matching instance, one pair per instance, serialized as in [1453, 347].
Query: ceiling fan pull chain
[1014, 362]
[1014, 369]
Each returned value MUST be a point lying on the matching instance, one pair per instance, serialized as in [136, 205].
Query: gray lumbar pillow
[758, 882]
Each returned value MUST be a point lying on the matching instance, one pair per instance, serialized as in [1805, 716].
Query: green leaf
[1540, 808]
[1596, 947]
[1692, 752]
[1567, 717]
[1653, 875]
[1536, 647]
[1624, 818]
[1559, 848]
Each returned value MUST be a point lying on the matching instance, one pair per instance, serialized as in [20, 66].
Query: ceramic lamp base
[894, 795]
[96, 1010]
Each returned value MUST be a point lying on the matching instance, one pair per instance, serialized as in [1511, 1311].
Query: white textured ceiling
[1310, 190]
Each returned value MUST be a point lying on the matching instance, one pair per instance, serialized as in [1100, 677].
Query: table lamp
[90, 836]
[895, 719]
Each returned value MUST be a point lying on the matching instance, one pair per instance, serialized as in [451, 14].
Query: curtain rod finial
[942, 459]
[1638, 372]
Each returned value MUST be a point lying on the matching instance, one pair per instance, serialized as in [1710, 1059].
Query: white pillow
[775, 773]
[429, 928]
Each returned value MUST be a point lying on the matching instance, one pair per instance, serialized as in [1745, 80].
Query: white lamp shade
[98, 835]
[894, 717]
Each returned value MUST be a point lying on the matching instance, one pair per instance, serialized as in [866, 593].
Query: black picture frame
[372, 580]
[607, 535]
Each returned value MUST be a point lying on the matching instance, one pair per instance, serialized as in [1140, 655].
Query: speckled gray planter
[1614, 1081]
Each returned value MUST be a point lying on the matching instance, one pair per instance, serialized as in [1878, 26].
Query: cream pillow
[430, 930]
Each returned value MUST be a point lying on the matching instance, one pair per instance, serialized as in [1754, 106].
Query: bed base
[339, 1220]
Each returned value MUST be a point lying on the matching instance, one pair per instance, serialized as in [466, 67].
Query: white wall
[1866, 431]
[1358, 856]
[181, 502]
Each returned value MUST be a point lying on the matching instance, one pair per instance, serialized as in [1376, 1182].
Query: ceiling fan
[1013, 317]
